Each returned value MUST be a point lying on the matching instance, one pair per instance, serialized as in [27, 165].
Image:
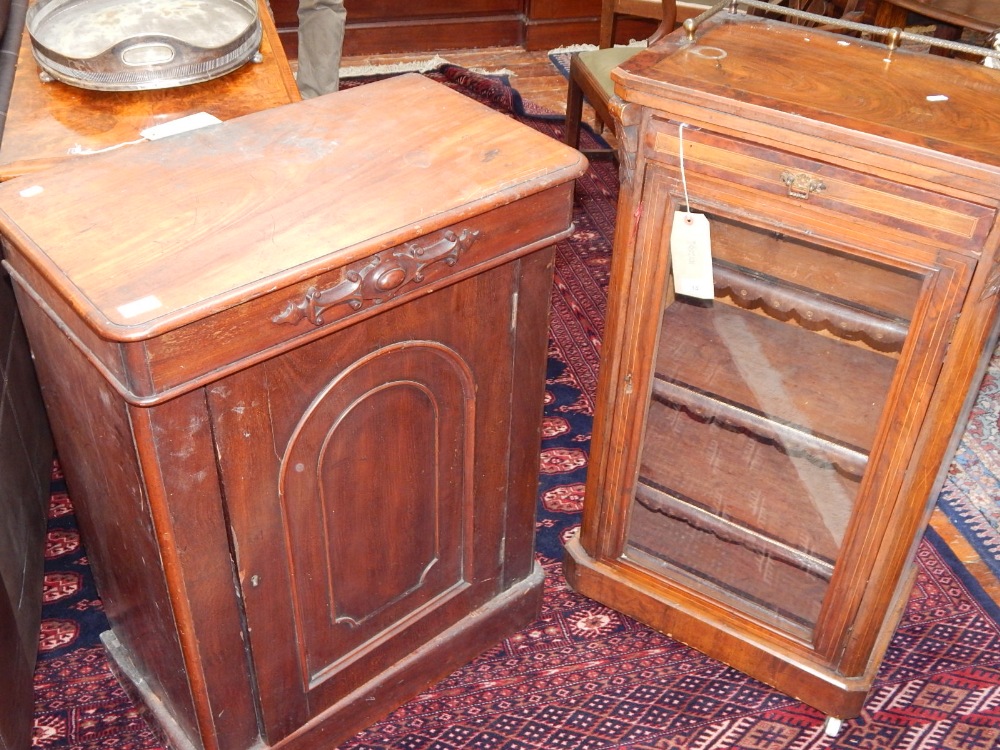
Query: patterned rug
[971, 493]
[582, 677]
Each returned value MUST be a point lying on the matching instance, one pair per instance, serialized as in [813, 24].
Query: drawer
[784, 184]
[153, 370]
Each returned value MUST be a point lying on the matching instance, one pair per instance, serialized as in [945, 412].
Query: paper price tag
[691, 255]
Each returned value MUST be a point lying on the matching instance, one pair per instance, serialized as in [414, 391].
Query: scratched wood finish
[196, 270]
[50, 122]
[306, 461]
[764, 464]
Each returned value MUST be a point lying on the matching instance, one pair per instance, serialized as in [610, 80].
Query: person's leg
[321, 36]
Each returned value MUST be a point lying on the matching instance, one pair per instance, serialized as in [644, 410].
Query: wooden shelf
[789, 437]
[761, 403]
[851, 285]
[815, 385]
[761, 522]
[728, 566]
[810, 308]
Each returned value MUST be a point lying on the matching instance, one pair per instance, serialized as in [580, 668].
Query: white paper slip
[691, 255]
[180, 125]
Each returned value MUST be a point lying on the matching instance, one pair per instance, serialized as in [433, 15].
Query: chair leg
[574, 113]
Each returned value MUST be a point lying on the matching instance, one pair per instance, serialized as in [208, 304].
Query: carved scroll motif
[379, 278]
[748, 288]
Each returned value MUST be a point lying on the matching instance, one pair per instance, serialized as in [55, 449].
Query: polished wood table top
[50, 122]
[978, 15]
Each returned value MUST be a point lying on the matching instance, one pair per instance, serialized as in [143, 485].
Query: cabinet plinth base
[831, 694]
[513, 609]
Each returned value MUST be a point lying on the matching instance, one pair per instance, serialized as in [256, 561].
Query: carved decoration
[379, 278]
[750, 289]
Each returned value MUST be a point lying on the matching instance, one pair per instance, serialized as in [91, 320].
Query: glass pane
[764, 409]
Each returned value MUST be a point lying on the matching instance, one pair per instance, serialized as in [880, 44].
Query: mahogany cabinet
[768, 449]
[295, 363]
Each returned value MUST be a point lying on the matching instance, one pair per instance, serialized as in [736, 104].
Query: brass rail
[893, 36]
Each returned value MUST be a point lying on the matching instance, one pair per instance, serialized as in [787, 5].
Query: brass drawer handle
[801, 185]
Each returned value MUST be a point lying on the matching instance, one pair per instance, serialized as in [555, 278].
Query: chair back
[664, 11]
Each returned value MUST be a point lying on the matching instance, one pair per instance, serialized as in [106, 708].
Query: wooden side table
[46, 122]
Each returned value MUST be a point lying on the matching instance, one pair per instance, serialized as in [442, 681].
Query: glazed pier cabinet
[769, 440]
[295, 364]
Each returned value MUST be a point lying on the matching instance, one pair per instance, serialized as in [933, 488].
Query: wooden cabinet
[765, 460]
[403, 26]
[25, 473]
[296, 363]
[380, 26]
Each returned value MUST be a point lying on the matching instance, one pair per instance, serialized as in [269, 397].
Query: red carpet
[582, 677]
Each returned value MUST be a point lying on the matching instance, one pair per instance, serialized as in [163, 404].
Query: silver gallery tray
[129, 45]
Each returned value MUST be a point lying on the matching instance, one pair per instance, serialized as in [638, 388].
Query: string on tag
[690, 243]
[684, 183]
[79, 150]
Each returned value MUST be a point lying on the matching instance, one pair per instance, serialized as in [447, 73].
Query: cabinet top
[804, 79]
[208, 219]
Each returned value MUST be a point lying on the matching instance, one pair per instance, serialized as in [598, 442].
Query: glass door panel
[764, 407]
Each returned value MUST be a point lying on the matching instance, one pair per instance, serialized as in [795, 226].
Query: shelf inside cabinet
[810, 308]
[851, 297]
[802, 382]
[780, 420]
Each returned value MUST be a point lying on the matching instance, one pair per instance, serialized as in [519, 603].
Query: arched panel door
[382, 454]
[379, 484]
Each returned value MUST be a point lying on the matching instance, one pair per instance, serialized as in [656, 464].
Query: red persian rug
[582, 677]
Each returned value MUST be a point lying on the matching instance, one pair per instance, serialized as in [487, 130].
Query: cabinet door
[780, 417]
[374, 520]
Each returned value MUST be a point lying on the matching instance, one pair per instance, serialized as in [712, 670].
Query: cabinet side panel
[25, 469]
[25, 465]
[92, 430]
